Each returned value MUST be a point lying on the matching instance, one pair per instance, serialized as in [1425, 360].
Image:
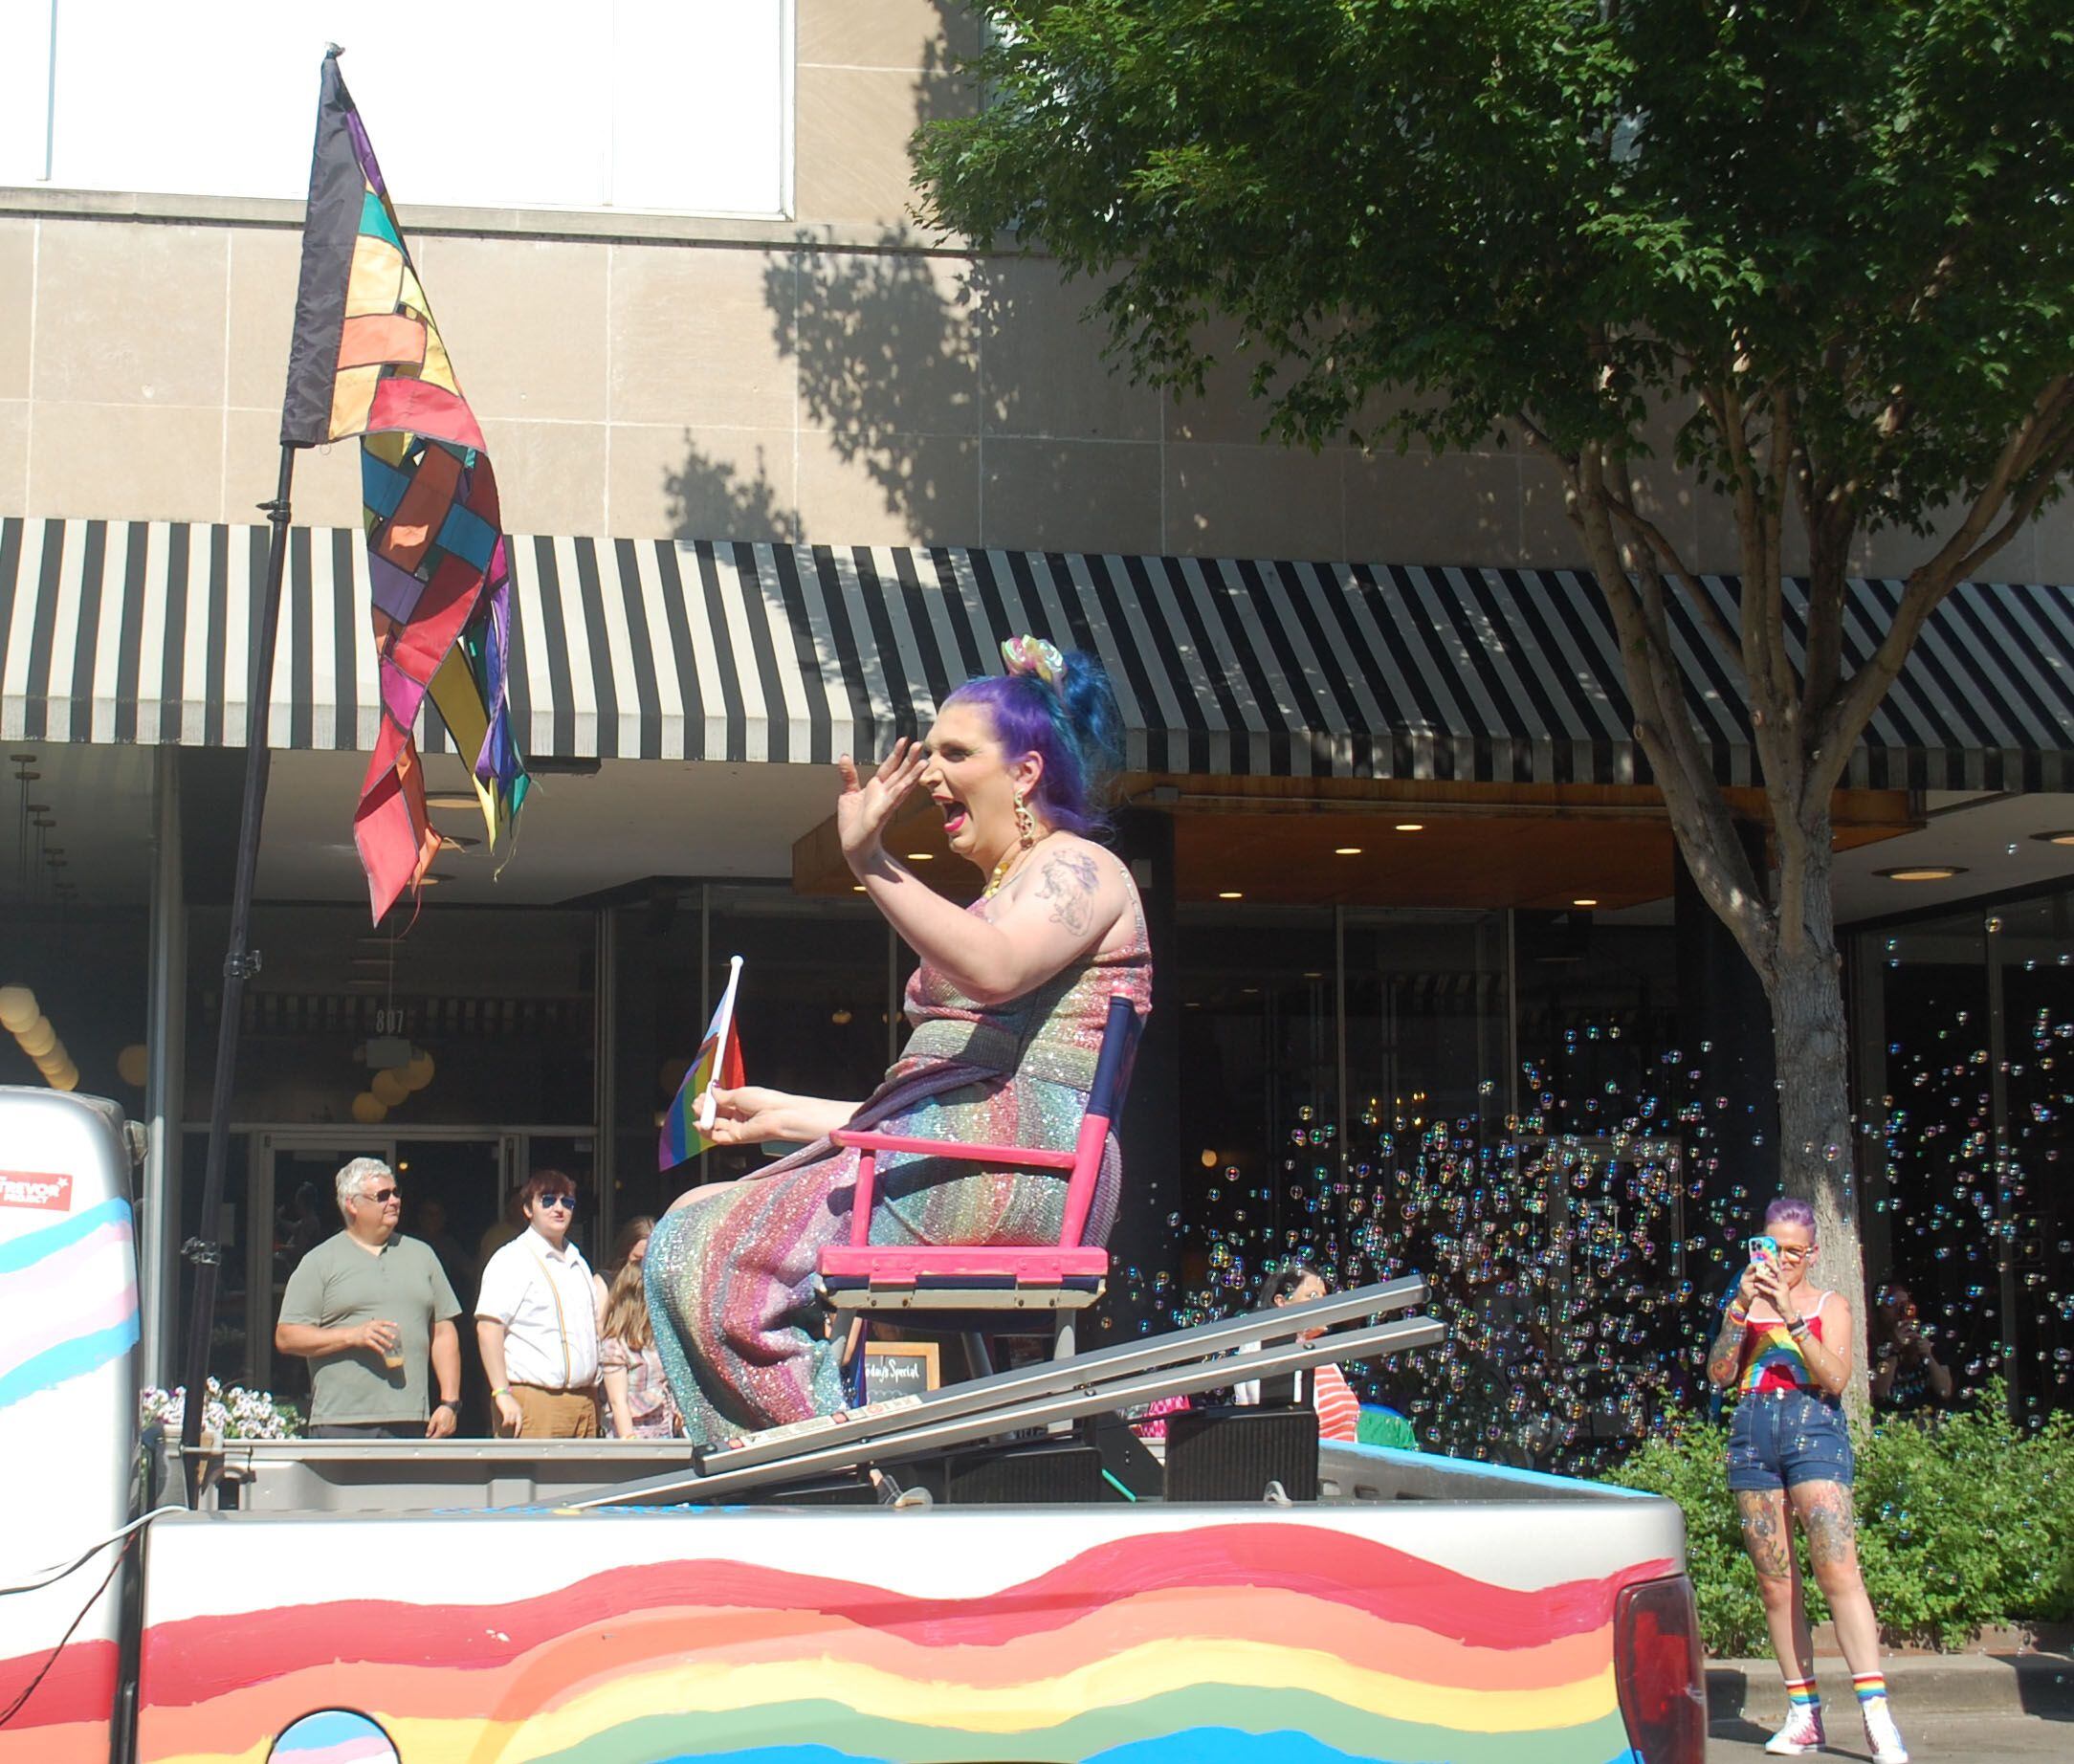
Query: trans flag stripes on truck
[72, 1300]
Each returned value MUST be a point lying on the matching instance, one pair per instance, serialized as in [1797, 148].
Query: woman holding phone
[1785, 1349]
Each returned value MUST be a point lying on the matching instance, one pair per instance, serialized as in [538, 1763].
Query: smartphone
[1764, 1251]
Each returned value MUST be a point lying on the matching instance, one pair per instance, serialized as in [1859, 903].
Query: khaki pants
[556, 1414]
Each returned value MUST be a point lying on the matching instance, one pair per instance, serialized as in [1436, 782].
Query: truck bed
[1424, 1609]
[389, 1477]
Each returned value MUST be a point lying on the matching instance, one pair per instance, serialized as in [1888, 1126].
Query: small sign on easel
[899, 1369]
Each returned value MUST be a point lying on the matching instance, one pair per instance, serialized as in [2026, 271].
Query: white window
[670, 106]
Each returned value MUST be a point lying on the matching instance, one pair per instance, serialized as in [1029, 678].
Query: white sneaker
[1802, 1733]
[1881, 1734]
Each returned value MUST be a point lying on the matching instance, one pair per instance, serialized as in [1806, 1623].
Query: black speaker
[1038, 1472]
[845, 1488]
[1232, 1453]
[1124, 1457]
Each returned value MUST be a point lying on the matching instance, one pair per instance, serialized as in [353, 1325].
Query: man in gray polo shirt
[367, 1308]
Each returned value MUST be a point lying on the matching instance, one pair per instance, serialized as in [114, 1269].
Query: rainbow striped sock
[1801, 1693]
[1870, 1685]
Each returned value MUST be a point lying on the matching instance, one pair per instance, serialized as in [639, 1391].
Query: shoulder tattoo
[1068, 881]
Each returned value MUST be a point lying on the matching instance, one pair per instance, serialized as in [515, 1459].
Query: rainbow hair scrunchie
[1028, 654]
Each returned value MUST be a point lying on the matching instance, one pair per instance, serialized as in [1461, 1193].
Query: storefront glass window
[1259, 1095]
[2033, 947]
[1939, 1133]
[88, 967]
[498, 1003]
[812, 1012]
[1979, 1049]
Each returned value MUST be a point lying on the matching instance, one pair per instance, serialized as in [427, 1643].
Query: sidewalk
[1951, 1683]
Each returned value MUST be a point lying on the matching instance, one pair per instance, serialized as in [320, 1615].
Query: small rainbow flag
[719, 1061]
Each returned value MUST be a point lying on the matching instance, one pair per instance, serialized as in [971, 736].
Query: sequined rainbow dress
[731, 1280]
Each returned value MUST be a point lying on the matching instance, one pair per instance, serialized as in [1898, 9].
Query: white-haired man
[368, 1309]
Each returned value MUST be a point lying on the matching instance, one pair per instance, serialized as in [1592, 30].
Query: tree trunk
[1813, 1048]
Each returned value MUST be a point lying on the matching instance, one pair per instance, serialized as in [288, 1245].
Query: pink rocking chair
[861, 1278]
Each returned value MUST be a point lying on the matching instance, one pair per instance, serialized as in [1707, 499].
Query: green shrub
[1964, 1521]
[1967, 1521]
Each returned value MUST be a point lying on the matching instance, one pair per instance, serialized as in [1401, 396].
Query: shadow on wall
[709, 498]
[885, 344]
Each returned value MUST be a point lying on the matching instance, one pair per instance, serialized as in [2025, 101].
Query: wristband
[449, 1403]
[503, 1390]
[1798, 1327]
[1737, 1315]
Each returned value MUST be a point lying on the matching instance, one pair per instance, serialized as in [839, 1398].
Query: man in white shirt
[536, 1323]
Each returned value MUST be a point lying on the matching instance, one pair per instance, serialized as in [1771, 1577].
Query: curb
[1951, 1683]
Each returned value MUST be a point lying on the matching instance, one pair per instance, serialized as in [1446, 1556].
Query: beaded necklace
[1008, 861]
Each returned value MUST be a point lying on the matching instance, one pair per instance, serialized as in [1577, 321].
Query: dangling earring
[1026, 823]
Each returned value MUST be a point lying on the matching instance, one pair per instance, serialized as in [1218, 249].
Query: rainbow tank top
[1772, 1357]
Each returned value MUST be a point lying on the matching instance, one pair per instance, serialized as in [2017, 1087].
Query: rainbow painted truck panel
[825, 1637]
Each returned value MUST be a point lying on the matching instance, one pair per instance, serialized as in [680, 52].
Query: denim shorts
[1779, 1440]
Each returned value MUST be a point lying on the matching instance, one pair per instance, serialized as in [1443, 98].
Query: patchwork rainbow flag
[719, 1061]
[368, 360]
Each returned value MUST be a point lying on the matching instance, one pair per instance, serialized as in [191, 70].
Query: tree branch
[2047, 471]
[1667, 554]
[1698, 811]
[2049, 425]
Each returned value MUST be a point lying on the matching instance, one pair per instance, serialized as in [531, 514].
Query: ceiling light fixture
[1922, 873]
[1411, 827]
[451, 799]
[1346, 850]
[2064, 837]
[1585, 900]
[921, 857]
[1230, 894]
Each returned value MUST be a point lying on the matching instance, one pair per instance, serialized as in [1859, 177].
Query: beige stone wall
[824, 380]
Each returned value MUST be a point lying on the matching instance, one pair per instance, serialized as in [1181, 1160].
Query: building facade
[784, 469]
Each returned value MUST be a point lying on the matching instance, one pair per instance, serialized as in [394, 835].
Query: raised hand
[865, 809]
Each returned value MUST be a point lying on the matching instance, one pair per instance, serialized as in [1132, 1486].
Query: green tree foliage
[1839, 232]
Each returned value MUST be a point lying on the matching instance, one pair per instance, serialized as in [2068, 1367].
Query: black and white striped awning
[137, 632]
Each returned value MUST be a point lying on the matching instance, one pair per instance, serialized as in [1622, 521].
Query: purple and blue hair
[1073, 724]
[1786, 1210]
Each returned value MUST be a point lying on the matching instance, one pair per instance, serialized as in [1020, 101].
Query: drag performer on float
[1008, 1009]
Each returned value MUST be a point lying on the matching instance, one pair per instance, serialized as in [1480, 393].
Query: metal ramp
[1033, 1397]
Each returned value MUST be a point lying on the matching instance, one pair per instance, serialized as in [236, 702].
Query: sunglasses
[564, 1203]
[381, 1196]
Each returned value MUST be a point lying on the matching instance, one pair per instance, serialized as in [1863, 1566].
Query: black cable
[28, 1689]
[52, 1575]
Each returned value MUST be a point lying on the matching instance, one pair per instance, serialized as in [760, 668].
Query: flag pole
[204, 1252]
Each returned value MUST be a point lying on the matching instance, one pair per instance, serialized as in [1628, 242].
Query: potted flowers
[233, 1414]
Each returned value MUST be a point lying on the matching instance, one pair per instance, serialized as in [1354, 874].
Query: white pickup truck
[840, 1593]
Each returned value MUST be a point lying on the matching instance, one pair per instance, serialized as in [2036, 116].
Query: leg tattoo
[1830, 1524]
[1765, 1531]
